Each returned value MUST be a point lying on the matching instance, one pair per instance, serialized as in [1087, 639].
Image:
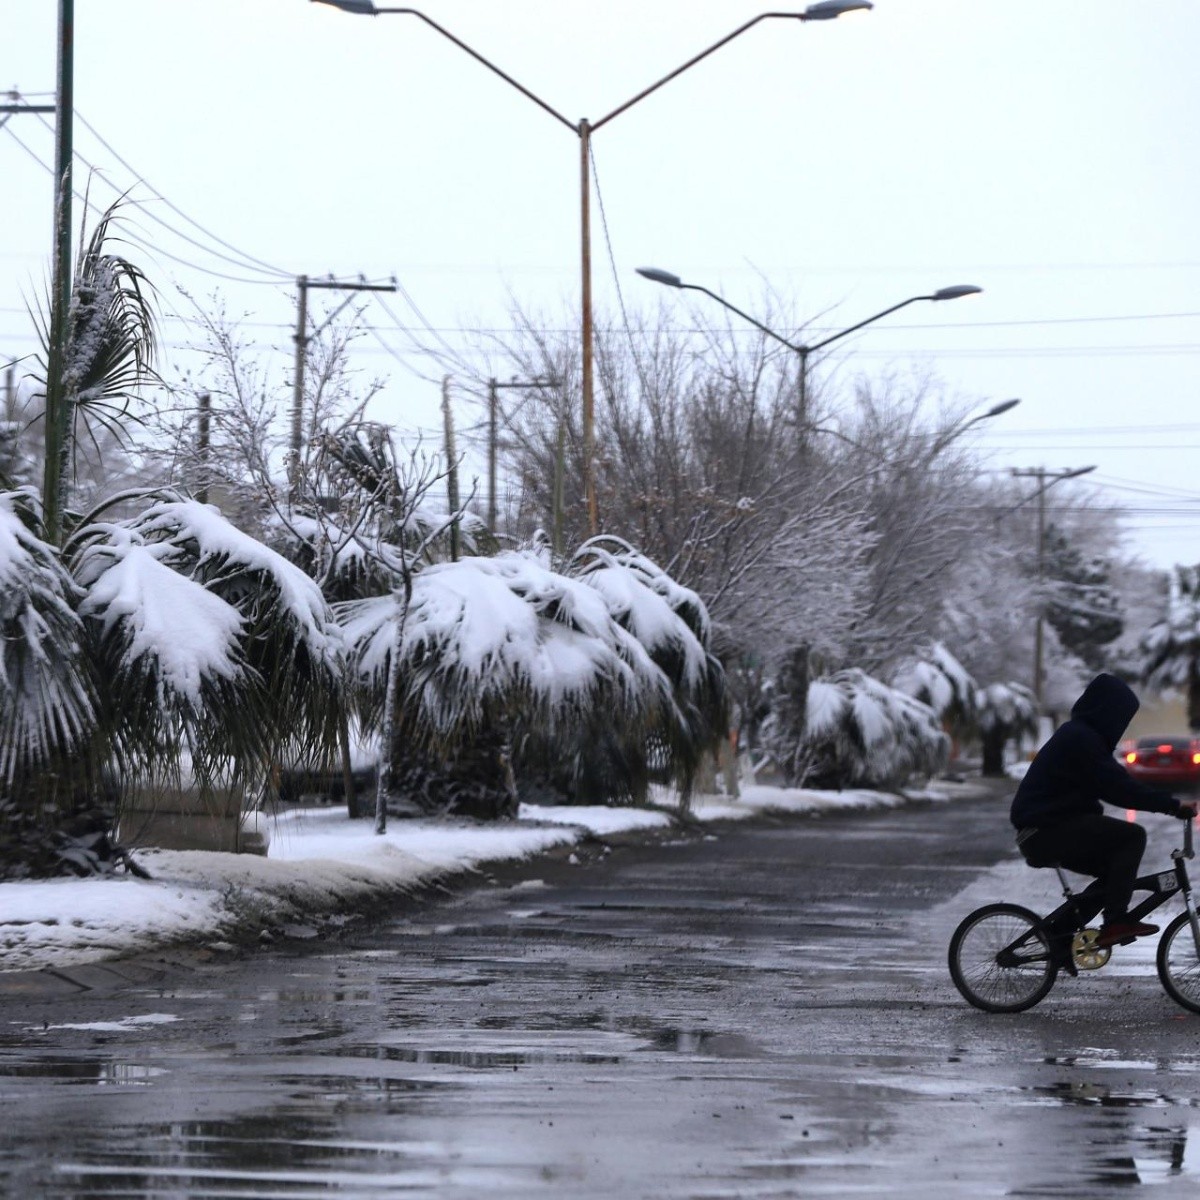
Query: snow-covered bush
[861, 732]
[213, 647]
[935, 677]
[600, 663]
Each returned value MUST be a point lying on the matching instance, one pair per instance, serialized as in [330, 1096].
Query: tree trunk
[994, 740]
[792, 715]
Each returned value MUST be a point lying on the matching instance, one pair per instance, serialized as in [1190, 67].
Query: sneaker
[1123, 932]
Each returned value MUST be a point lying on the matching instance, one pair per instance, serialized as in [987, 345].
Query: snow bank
[321, 863]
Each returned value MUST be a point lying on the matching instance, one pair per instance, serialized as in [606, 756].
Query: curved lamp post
[954, 292]
[823, 10]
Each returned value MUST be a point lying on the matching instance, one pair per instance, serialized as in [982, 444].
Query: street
[762, 1013]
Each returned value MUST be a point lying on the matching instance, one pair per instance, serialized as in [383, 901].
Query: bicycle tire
[1178, 964]
[985, 981]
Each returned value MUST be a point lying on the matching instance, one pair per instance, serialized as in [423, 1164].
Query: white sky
[1046, 152]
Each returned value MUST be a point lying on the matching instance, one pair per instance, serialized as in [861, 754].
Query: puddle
[74, 1070]
[121, 1026]
[1089, 1092]
[490, 1048]
[707, 1043]
[484, 1059]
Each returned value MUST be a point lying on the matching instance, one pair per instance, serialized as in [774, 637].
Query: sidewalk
[322, 870]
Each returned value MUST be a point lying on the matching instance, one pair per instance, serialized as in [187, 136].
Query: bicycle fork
[1185, 887]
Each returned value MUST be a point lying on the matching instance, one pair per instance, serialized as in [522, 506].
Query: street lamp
[669, 279]
[823, 10]
[1046, 480]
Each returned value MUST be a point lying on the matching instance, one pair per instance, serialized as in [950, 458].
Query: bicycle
[1005, 958]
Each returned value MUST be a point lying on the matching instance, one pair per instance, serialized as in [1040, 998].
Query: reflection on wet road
[763, 1015]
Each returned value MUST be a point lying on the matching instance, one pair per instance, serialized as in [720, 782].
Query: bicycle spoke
[1000, 959]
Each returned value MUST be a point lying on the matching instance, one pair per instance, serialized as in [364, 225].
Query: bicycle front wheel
[1179, 964]
[1000, 959]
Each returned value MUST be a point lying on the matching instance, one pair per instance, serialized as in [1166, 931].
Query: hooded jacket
[1075, 770]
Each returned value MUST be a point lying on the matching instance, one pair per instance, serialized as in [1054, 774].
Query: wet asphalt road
[762, 1014]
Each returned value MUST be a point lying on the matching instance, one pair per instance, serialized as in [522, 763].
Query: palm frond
[47, 705]
[221, 646]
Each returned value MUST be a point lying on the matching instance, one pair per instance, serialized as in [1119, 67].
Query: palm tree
[495, 646]
[220, 653]
[1172, 646]
[152, 646]
[860, 732]
[673, 625]
[110, 347]
[1003, 711]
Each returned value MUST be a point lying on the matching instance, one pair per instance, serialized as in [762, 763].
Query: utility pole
[452, 466]
[494, 432]
[203, 414]
[58, 421]
[1046, 480]
[302, 337]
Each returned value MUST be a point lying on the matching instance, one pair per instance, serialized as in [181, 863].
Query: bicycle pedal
[1086, 953]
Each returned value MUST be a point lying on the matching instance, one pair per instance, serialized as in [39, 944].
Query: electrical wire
[243, 261]
[612, 262]
[249, 258]
[130, 230]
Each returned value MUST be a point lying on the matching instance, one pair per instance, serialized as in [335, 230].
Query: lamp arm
[491, 66]
[870, 320]
[696, 287]
[691, 62]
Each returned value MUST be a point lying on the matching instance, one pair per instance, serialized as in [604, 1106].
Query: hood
[1107, 705]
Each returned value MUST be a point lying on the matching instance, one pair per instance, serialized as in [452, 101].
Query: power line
[175, 208]
[133, 236]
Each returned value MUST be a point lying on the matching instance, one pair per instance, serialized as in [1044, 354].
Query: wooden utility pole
[58, 420]
[494, 433]
[452, 466]
[203, 415]
[302, 337]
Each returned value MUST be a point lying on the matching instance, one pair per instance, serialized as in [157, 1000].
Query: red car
[1168, 762]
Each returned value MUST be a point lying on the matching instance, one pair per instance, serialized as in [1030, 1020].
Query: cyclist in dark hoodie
[1058, 814]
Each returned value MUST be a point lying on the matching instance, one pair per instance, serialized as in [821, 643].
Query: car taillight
[1196, 760]
[1131, 757]
[1166, 749]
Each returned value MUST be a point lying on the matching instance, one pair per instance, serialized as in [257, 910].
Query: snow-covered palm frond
[673, 624]
[937, 678]
[1008, 706]
[499, 635]
[212, 639]
[667, 618]
[46, 700]
[336, 553]
[1171, 647]
[861, 731]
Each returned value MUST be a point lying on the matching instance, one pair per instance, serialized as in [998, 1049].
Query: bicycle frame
[1080, 907]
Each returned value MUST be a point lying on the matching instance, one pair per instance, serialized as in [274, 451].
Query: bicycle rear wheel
[1000, 959]
[1179, 964]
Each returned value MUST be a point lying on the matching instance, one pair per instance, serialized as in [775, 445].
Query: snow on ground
[320, 863]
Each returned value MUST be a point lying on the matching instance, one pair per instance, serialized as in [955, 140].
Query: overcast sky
[1046, 152]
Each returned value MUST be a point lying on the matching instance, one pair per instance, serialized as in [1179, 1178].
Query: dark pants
[1108, 848]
